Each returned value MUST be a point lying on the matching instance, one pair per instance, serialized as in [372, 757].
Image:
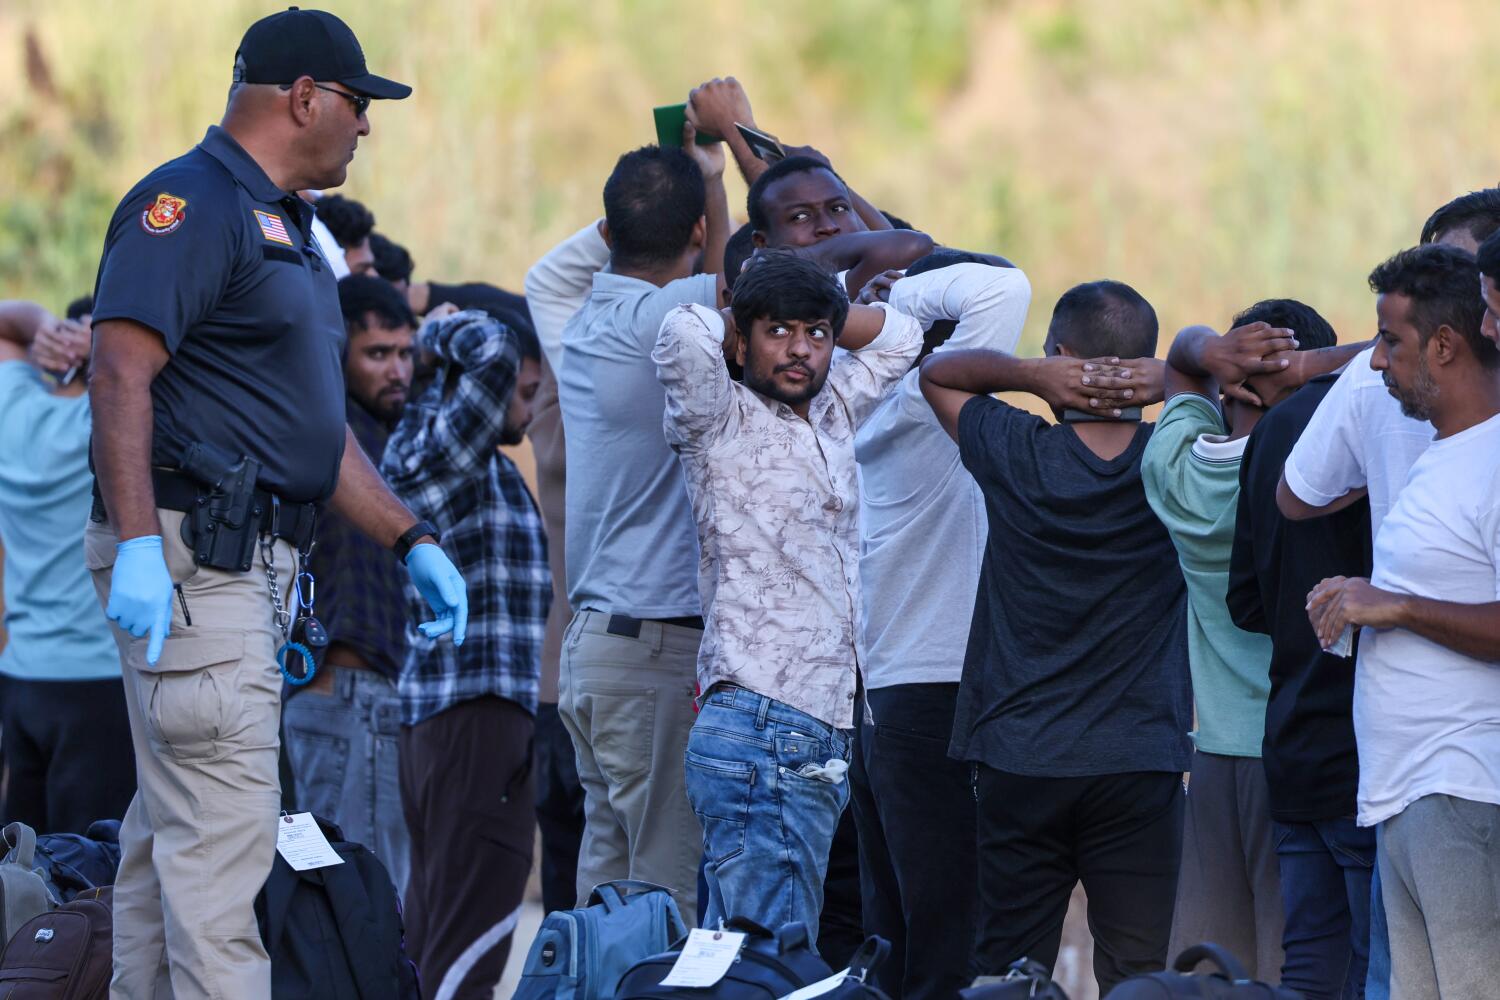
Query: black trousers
[468, 794]
[914, 807]
[841, 923]
[68, 755]
[1120, 834]
[559, 809]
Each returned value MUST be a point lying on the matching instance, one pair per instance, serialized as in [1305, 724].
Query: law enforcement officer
[218, 406]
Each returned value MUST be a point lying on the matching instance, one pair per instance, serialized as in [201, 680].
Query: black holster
[224, 523]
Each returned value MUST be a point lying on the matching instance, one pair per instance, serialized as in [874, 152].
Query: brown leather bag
[64, 954]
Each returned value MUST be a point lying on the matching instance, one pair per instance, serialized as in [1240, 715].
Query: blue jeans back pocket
[719, 791]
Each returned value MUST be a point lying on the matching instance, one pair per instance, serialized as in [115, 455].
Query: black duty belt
[175, 491]
[630, 628]
[279, 518]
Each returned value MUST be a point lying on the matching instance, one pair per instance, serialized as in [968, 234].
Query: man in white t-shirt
[1427, 695]
[1359, 440]
[923, 531]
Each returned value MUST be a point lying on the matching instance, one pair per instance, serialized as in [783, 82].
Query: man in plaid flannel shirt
[468, 712]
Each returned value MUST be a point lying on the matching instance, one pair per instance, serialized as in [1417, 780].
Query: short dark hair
[1442, 283]
[1488, 257]
[1104, 319]
[348, 220]
[739, 248]
[392, 262]
[1312, 330]
[755, 201]
[781, 284]
[1478, 212]
[652, 200]
[80, 307]
[364, 295]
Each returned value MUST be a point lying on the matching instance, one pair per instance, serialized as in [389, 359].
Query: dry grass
[1211, 153]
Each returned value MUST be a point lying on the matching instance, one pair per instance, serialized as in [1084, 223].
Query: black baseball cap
[297, 43]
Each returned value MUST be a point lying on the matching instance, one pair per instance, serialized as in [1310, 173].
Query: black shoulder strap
[361, 918]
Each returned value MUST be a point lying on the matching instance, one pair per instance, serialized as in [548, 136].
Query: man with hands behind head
[626, 673]
[63, 725]
[1229, 890]
[216, 375]
[770, 470]
[1074, 701]
[467, 714]
[801, 201]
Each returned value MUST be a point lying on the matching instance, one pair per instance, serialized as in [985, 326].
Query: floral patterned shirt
[776, 499]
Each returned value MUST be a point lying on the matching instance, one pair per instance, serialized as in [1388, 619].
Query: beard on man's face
[785, 390]
[511, 435]
[1416, 399]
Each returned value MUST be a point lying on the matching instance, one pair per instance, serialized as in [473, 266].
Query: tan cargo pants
[200, 835]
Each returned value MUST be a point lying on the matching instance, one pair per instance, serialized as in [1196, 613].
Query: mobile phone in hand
[762, 145]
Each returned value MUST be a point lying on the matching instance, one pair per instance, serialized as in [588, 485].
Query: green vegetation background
[1210, 152]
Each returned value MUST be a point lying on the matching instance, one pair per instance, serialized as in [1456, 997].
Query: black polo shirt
[209, 253]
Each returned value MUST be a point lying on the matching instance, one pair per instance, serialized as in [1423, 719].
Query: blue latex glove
[439, 582]
[140, 592]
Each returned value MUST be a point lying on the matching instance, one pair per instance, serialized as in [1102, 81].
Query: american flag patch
[272, 227]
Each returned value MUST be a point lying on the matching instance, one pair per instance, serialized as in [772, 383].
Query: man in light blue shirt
[627, 684]
[66, 737]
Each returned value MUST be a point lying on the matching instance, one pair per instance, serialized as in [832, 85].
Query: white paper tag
[302, 844]
[819, 988]
[705, 958]
[1344, 644]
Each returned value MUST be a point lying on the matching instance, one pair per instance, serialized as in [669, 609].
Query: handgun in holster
[224, 524]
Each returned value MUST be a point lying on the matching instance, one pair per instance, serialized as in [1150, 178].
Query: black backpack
[771, 964]
[1024, 980]
[1229, 982]
[335, 933]
[73, 863]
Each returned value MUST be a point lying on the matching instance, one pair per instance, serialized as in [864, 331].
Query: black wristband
[409, 537]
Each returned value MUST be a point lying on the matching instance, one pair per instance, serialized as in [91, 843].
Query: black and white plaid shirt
[442, 462]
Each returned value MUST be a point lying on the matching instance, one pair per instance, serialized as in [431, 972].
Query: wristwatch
[409, 537]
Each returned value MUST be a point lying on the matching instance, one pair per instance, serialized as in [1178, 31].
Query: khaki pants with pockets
[200, 834]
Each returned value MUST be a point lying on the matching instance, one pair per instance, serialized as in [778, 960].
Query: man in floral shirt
[770, 470]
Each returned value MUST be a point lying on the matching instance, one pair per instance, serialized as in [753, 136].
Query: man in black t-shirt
[1075, 702]
[1312, 767]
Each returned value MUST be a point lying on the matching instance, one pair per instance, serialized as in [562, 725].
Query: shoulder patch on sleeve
[165, 215]
[272, 228]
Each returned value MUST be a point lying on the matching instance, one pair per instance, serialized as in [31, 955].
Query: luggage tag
[301, 843]
[705, 958]
[817, 989]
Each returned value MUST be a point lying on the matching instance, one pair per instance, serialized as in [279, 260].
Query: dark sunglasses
[359, 102]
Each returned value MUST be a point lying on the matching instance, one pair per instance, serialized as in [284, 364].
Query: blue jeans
[1325, 892]
[1378, 980]
[768, 784]
[344, 756]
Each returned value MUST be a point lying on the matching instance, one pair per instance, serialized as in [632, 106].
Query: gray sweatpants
[1229, 885]
[1440, 875]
